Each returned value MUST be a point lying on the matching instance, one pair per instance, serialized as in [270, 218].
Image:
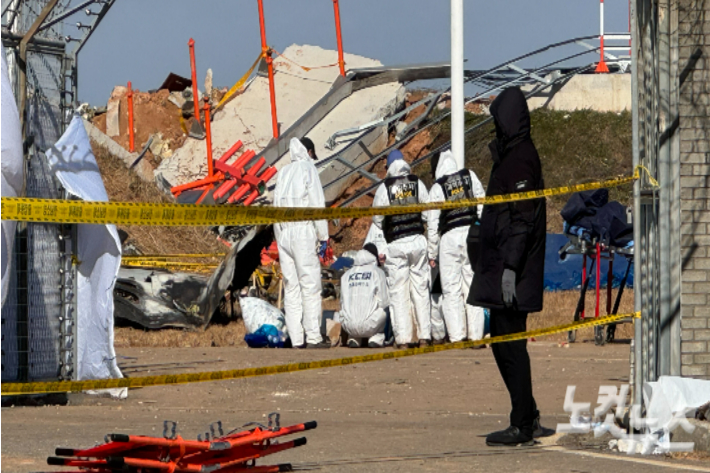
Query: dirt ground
[559, 309]
[418, 414]
[152, 113]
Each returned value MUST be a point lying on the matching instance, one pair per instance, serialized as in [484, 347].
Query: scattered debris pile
[300, 82]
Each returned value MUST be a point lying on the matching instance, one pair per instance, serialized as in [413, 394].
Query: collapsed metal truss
[507, 74]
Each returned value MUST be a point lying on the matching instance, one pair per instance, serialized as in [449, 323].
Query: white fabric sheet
[12, 169]
[73, 162]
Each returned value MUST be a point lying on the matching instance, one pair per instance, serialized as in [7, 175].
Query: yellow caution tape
[235, 88]
[172, 256]
[172, 265]
[131, 213]
[185, 378]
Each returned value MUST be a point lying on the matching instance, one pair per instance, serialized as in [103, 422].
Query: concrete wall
[694, 108]
[600, 92]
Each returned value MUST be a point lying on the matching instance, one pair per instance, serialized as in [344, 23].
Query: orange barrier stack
[231, 453]
[230, 183]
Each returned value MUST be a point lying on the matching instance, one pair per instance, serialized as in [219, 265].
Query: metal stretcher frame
[596, 251]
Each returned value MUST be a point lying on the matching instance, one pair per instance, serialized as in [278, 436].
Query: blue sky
[143, 40]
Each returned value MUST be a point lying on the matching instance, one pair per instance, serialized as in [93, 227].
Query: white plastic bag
[257, 312]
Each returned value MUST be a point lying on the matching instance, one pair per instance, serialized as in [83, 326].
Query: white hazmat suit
[298, 185]
[407, 265]
[462, 320]
[363, 299]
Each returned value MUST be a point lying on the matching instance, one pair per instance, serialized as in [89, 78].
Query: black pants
[514, 366]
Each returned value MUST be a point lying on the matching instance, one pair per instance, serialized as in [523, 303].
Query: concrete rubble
[112, 111]
[248, 116]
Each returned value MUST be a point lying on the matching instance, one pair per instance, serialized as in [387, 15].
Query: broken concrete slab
[177, 98]
[248, 116]
[113, 111]
[208, 83]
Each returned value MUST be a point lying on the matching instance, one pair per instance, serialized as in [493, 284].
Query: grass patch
[124, 185]
[574, 147]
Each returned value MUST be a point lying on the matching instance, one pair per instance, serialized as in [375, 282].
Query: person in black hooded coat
[509, 259]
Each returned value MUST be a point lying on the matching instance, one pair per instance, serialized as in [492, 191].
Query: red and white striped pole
[601, 66]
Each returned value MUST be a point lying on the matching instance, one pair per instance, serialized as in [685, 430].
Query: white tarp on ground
[12, 170]
[73, 162]
[673, 396]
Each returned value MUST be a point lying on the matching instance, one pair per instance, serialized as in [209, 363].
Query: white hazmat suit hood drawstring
[298, 185]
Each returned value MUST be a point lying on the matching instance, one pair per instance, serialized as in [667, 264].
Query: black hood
[512, 119]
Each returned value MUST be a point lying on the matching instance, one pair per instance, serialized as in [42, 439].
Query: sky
[143, 40]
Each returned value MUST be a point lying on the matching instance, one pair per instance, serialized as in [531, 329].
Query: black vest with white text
[457, 186]
[403, 190]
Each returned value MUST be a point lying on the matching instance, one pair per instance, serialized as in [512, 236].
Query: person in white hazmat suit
[447, 231]
[364, 300]
[298, 185]
[407, 258]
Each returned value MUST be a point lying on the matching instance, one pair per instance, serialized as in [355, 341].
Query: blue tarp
[559, 275]
[567, 274]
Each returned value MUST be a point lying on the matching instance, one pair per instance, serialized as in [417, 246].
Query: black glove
[508, 287]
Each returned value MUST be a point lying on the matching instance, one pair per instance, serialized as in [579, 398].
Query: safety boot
[539, 431]
[322, 344]
[510, 437]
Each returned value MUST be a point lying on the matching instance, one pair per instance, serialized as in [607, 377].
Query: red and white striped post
[601, 66]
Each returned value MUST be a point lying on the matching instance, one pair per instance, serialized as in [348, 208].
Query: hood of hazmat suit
[512, 234]
[446, 165]
[398, 168]
[363, 258]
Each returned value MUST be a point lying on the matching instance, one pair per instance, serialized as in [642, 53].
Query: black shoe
[510, 437]
[323, 344]
[539, 431]
[424, 342]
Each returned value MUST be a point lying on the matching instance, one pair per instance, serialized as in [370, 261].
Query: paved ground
[425, 413]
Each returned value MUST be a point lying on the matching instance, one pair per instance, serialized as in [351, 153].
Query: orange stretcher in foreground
[237, 451]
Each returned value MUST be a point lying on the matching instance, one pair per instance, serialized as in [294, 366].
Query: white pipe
[601, 18]
[457, 98]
